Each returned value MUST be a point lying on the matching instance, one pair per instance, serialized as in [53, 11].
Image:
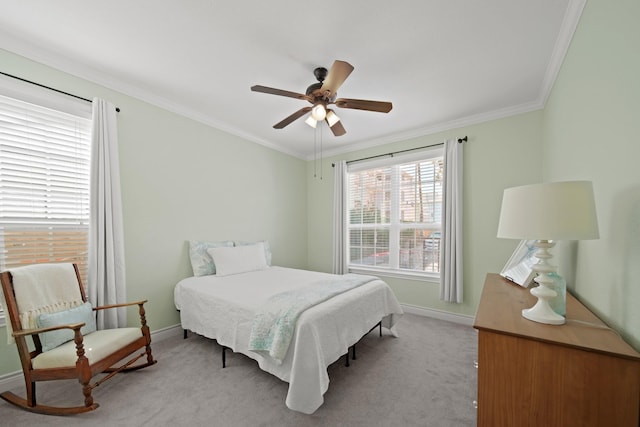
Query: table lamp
[546, 213]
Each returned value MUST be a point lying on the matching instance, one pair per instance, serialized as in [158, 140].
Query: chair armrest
[141, 312]
[124, 304]
[26, 332]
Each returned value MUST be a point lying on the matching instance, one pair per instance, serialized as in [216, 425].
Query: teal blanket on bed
[274, 323]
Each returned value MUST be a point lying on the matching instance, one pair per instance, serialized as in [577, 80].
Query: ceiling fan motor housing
[314, 89]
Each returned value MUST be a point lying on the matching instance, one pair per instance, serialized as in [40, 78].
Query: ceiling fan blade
[363, 104]
[337, 128]
[301, 112]
[338, 73]
[272, 91]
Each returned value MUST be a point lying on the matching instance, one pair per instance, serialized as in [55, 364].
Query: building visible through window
[394, 213]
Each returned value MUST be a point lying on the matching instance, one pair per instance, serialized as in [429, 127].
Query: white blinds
[369, 216]
[394, 212]
[44, 185]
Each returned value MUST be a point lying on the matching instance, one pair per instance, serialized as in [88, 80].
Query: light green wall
[184, 180]
[500, 154]
[592, 131]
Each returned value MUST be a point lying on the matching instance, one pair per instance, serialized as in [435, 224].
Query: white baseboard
[462, 319]
[165, 333]
[15, 379]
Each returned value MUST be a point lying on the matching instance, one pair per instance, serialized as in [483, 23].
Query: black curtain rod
[460, 140]
[50, 88]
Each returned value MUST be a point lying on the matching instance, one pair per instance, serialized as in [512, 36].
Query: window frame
[395, 226]
[41, 97]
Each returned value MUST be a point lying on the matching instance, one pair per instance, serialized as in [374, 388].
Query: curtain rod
[50, 88]
[460, 140]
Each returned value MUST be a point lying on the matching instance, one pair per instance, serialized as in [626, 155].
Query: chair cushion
[97, 346]
[81, 314]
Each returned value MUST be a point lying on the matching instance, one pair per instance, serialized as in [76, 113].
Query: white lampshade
[551, 211]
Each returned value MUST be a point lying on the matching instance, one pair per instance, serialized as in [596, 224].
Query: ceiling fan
[323, 94]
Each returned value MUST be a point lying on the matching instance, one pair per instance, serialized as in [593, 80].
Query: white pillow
[201, 261]
[267, 248]
[238, 259]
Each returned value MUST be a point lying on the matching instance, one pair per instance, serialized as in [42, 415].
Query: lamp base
[542, 311]
[539, 314]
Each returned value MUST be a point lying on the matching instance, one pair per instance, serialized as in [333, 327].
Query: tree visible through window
[394, 214]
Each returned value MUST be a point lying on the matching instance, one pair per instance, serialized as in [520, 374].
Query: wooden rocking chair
[54, 292]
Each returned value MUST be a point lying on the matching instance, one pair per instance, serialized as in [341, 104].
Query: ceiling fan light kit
[323, 94]
[318, 112]
[332, 118]
[311, 122]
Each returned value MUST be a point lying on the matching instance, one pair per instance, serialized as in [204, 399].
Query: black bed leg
[346, 359]
[380, 325]
[353, 352]
[224, 357]
[184, 334]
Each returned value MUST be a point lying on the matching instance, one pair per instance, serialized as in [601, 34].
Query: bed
[225, 307]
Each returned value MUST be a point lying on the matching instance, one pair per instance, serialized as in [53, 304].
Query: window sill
[398, 274]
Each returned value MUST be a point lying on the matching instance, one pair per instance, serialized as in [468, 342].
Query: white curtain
[106, 238]
[451, 245]
[339, 219]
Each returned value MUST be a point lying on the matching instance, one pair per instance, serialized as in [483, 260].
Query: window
[44, 184]
[394, 214]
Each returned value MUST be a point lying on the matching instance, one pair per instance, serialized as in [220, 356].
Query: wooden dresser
[531, 374]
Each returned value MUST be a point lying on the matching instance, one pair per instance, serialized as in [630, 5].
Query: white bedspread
[223, 308]
[274, 323]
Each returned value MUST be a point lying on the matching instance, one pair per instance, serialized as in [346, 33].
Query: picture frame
[518, 268]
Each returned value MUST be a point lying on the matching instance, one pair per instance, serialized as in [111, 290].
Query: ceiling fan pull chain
[315, 152]
[321, 173]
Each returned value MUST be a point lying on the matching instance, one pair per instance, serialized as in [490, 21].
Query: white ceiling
[443, 63]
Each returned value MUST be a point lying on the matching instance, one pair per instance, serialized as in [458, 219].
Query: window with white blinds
[394, 213]
[44, 185]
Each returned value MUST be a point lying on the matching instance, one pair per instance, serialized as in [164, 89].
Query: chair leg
[84, 378]
[150, 360]
[31, 394]
[86, 391]
[147, 333]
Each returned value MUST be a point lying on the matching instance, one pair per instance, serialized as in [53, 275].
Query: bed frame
[346, 362]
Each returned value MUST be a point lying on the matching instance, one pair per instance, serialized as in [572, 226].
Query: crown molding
[567, 30]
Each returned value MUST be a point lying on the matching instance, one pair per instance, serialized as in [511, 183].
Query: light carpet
[425, 377]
